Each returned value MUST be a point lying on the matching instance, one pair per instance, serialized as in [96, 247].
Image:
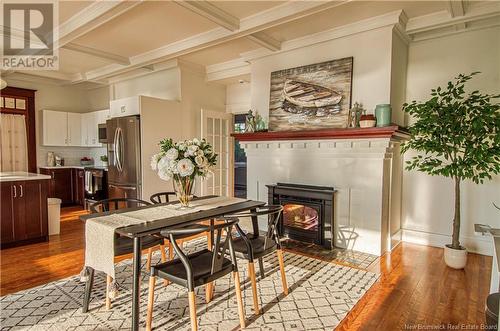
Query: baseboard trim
[480, 244]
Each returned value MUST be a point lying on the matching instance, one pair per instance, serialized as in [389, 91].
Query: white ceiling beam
[212, 13]
[227, 69]
[97, 53]
[442, 19]
[456, 8]
[286, 12]
[49, 74]
[228, 21]
[92, 17]
[265, 40]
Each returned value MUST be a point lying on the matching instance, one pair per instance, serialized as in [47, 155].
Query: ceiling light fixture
[3, 84]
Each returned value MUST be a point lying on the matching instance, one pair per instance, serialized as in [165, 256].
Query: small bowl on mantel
[367, 121]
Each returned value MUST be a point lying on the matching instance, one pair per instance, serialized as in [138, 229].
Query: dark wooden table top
[140, 230]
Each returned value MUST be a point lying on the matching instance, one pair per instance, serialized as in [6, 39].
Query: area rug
[321, 295]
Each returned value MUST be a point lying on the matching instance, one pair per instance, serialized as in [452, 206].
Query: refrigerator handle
[115, 161]
[121, 143]
[117, 150]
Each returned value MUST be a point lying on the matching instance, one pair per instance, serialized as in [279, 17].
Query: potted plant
[104, 160]
[182, 162]
[456, 135]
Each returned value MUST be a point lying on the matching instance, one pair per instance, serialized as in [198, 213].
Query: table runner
[100, 231]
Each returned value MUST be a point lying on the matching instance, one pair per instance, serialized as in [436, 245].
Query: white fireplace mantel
[366, 172]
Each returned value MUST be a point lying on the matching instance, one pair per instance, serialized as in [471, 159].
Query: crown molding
[453, 29]
[444, 19]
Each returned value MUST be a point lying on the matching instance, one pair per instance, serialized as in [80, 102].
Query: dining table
[137, 231]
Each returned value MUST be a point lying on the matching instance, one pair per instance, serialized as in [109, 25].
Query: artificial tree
[456, 135]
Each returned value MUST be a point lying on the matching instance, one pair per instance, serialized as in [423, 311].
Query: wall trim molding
[476, 244]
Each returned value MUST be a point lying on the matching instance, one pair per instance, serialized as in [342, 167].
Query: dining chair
[253, 246]
[198, 268]
[164, 197]
[125, 245]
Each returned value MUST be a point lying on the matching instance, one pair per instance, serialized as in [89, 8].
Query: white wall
[238, 99]
[371, 69]
[428, 201]
[163, 84]
[197, 94]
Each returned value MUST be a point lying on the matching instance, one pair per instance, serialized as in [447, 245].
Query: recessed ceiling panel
[76, 62]
[70, 8]
[351, 12]
[148, 26]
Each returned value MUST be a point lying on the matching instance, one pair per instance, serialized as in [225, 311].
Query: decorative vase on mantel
[184, 189]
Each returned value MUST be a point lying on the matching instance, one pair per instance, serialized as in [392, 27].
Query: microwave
[101, 129]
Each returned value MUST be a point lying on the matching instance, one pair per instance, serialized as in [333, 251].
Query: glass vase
[184, 189]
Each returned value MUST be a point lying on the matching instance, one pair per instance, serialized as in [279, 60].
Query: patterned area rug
[321, 295]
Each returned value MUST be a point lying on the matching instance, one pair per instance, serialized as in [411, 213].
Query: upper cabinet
[61, 128]
[72, 129]
[55, 128]
[125, 107]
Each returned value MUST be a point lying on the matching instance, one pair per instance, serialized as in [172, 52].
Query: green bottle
[383, 114]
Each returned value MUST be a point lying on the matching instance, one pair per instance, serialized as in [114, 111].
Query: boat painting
[311, 97]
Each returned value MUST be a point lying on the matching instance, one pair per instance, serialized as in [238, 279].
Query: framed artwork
[316, 96]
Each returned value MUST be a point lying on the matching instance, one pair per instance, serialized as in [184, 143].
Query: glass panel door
[216, 127]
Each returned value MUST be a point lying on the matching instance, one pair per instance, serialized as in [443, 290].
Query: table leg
[88, 290]
[255, 224]
[136, 283]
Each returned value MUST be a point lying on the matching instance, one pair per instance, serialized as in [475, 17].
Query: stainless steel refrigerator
[124, 156]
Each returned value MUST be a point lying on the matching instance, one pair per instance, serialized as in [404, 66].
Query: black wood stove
[307, 212]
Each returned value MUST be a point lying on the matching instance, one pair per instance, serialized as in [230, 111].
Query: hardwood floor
[415, 286]
[31, 265]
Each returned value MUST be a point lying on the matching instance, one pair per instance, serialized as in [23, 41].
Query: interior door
[216, 127]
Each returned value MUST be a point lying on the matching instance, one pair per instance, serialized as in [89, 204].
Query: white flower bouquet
[182, 162]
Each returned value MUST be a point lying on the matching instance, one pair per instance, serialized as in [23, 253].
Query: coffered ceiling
[101, 41]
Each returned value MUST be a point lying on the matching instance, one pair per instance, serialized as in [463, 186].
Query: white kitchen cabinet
[61, 128]
[125, 107]
[103, 116]
[74, 129]
[55, 128]
[90, 122]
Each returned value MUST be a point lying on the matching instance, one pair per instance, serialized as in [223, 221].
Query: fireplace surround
[307, 212]
[364, 165]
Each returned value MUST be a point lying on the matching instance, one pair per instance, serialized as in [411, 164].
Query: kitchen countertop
[65, 167]
[21, 175]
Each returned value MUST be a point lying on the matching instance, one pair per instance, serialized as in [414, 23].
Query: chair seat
[125, 245]
[202, 266]
[258, 246]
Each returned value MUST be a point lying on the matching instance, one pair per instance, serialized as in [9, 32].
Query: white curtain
[14, 143]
